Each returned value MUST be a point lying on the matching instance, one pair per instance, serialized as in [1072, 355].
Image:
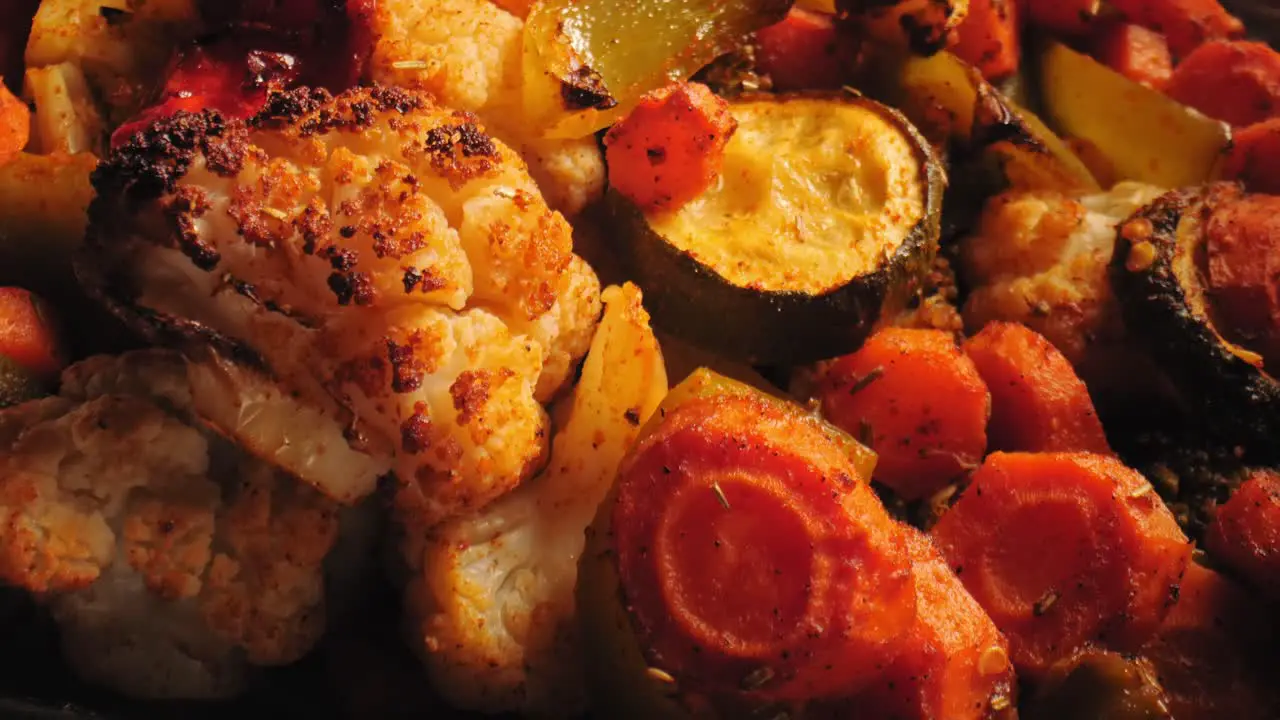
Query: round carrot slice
[1062, 550]
[752, 557]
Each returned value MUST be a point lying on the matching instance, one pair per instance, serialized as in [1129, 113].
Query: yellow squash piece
[587, 62]
[1144, 134]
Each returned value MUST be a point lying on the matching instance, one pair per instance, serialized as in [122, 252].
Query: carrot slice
[1062, 550]
[1038, 404]
[1237, 82]
[1254, 157]
[957, 663]
[1139, 54]
[1065, 17]
[988, 37]
[1213, 651]
[1242, 261]
[670, 148]
[1245, 534]
[752, 556]
[804, 51]
[917, 400]
[1186, 23]
[15, 124]
[28, 335]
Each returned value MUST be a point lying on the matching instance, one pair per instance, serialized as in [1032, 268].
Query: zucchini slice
[1158, 273]
[826, 212]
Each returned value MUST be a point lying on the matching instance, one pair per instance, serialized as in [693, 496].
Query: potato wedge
[1145, 135]
[1026, 154]
[950, 102]
[66, 118]
[118, 52]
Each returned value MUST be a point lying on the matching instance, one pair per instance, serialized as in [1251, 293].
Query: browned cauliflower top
[169, 557]
[382, 260]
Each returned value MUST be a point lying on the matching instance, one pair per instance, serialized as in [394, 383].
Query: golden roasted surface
[491, 594]
[169, 558]
[383, 260]
[467, 53]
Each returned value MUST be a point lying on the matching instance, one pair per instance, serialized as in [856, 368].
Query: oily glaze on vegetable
[1064, 550]
[769, 266]
[725, 483]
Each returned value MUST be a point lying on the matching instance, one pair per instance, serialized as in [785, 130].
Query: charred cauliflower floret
[491, 594]
[1040, 258]
[380, 260]
[171, 560]
[468, 54]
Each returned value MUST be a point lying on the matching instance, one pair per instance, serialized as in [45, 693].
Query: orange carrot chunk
[1245, 534]
[1038, 404]
[1186, 23]
[1063, 550]
[670, 148]
[1064, 17]
[745, 539]
[918, 401]
[988, 37]
[1214, 650]
[1254, 158]
[1242, 260]
[28, 335]
[1237, 82]
[15, 124]
[804, 51]
[957, 663]
[1139, 54]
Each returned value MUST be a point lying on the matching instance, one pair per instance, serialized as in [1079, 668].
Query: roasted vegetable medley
[660, 359]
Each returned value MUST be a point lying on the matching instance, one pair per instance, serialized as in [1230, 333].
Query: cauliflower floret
[382, 260]
[172, 561]
[468, 54]
[1041, 258]
[491, 595]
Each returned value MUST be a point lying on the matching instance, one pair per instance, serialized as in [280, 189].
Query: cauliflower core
[171, 560]
[468, 54]
[1041, 258]
[380, 262]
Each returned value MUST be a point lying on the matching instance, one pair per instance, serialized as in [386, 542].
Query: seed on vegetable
[1043, 604]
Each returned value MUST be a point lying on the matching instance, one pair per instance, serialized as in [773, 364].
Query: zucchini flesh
[825, 213]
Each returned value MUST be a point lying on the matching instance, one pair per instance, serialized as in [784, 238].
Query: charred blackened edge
[584, 89]
[314, 111]
[1240, 402]
[112, 286]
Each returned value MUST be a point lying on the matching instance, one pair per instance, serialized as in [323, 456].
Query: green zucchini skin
[1237, 403]
[697, 304]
